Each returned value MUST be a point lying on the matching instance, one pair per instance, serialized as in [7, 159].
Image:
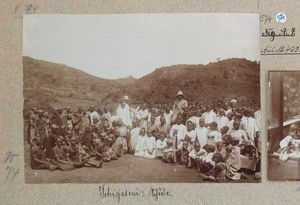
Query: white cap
[126, 97]
[233, 101]
[179, 93]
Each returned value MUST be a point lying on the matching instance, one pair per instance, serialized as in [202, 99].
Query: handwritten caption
[10, 166]
[284, 32]
[272, 33]
[27, 9]
[154, 192]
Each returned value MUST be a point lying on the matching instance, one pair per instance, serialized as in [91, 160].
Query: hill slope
[224, 80]
[49, 84]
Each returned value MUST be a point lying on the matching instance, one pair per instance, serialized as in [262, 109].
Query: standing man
[123, 111]
[180, 106]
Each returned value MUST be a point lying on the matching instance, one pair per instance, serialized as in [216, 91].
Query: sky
[119, 45]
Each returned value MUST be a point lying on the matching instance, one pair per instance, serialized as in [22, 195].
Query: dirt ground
[127, 169]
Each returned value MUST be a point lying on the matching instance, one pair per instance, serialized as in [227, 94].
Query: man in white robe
[123, 112]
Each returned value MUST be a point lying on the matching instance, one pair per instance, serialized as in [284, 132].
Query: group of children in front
[215, 153]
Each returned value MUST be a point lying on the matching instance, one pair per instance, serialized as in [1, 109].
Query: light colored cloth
[141, 146]
[168, 117]
[192, 136]
[134, 134]
[213, 137]
[202, 133]
[94, 115]
[222, 122]
[194, 120]
[193, 154]
[284, 143]
[181, 132]
[209, 117]
[124, 114]
[251, 128]
[150, 148]
[160, 147]
[240, 134]
[257, 117]
[234, 162]
[144, 118]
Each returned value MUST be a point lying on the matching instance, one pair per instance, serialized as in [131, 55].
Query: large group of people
[217, 139]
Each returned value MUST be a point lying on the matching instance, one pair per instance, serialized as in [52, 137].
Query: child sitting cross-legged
[220, 171]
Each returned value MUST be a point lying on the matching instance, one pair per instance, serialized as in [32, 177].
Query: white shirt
[209, 117]
[222, 122]
[124, 114]
[181, 132]
[287, 139]
[257, 117]
[201, 134]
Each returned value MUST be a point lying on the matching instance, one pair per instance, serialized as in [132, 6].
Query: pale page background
[11, 103]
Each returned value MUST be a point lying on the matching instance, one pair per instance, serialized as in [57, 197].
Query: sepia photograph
[151, 98]
[283, 126]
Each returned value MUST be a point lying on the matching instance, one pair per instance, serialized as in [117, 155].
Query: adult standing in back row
[180, 106]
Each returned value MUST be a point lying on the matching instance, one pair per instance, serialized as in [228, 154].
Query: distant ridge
[48, 84]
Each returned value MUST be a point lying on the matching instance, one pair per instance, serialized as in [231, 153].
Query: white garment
[209, 117]
[222, 122]
[160, 146]
[213, 137]
[168, 117]
[181, 132]
[202, 133]
[257, 117]
[251, 128]
[144, 118]
[134, 134]
[124, 114]
[94, 115]
[141, 146]
[150, 145]
[240, 134]
[194, 153]
[287, 139]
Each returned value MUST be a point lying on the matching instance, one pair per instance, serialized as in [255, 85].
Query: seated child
[79, 157]
[161, 144]
[184, 153]
[140, 147]
[37, 158]
[195, 156]
[220, 171]
[169, 152]
[61, 156]
[214, 135]
[150, 145]
[290, 145]
[206, 164]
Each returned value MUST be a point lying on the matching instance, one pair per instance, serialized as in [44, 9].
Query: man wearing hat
[233, 104]
[180, 105]
[123, 111]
